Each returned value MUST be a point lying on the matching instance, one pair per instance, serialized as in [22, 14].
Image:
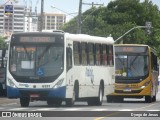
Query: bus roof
[139, 45]
[130, 45]
[74, 37]
[89, 38]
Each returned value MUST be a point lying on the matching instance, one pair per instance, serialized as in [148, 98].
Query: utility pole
[80, 14]
[41, 17]
[92, 4]
[79, 17]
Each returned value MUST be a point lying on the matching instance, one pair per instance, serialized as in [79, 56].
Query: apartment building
[11, 19]
[52, 21]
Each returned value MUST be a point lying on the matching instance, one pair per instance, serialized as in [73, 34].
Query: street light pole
[41, 18]
[148, 26]
[79, 17]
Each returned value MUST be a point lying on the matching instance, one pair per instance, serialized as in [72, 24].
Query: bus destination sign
[37, 39]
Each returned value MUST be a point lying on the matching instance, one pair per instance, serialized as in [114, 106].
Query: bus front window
[131, 65]
[36, 60]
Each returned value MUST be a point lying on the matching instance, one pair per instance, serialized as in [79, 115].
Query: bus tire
[24, 101]
[148, 99]
[97, 100]
[76, 88]
[100, 95]
[154, 99]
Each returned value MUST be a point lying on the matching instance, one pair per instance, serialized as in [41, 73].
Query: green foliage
[117, 18]
[2, 43]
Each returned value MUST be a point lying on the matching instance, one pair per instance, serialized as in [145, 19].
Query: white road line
[153, 110]
[46, 109]
[16, 109]
[8, 104]
[125, 110]
[101, 109]
[72, 109]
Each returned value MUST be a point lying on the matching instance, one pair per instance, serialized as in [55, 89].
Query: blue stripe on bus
[15, 92]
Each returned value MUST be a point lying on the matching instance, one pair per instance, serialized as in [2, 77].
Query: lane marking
[72, 109]
[126, 110]
[153, 110]
[147, 106]
[16, 109]
[45, 109]
[99, 109]
[8, 104]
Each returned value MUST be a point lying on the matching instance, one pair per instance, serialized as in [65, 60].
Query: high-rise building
[11, 19]
[52, 21]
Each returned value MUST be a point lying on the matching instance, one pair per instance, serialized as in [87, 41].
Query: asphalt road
[134, 109]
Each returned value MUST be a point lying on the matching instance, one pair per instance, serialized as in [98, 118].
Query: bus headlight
[11, 83]
[59, 83]
[145, 84]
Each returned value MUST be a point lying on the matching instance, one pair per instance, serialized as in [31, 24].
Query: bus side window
[69, 58]
[108, 55]
[91, 53]
[84, 53]
[104, 55]
[111, 60]
[97, 52]
[77, 53]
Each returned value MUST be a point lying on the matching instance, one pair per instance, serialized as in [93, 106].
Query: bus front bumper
[39, 93]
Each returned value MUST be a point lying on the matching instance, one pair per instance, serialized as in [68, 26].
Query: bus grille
[133, 91]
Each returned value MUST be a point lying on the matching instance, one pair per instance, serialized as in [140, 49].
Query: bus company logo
[25, 85]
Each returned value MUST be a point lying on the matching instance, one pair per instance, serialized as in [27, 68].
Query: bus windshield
[131, 65]
[36, 60]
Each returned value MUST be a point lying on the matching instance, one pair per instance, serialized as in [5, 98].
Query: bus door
[154, 73]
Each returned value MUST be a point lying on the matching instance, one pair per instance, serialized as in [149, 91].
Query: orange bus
[136, 73]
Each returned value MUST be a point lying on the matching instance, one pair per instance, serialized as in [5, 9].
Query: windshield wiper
[46, 49]
[29, 56]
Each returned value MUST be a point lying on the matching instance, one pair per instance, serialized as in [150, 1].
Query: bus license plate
[34, 95]
[127, 90]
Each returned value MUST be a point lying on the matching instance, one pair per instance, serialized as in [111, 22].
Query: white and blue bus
[58, 66]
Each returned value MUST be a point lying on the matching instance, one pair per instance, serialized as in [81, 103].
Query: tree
[3, 44]
[118, 17]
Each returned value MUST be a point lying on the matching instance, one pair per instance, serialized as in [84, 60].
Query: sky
[65, 6]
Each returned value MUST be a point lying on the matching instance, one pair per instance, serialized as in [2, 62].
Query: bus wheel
[97, 100]
[70, 101]
[148, 99]
[24, 101]
[154, 98]
[100, 95]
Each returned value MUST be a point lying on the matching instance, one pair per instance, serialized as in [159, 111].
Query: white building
[52, 21]
[15, 18]
[30, 24]
[11, 19]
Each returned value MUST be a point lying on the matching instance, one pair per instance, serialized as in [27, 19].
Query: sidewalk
[5, 100]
